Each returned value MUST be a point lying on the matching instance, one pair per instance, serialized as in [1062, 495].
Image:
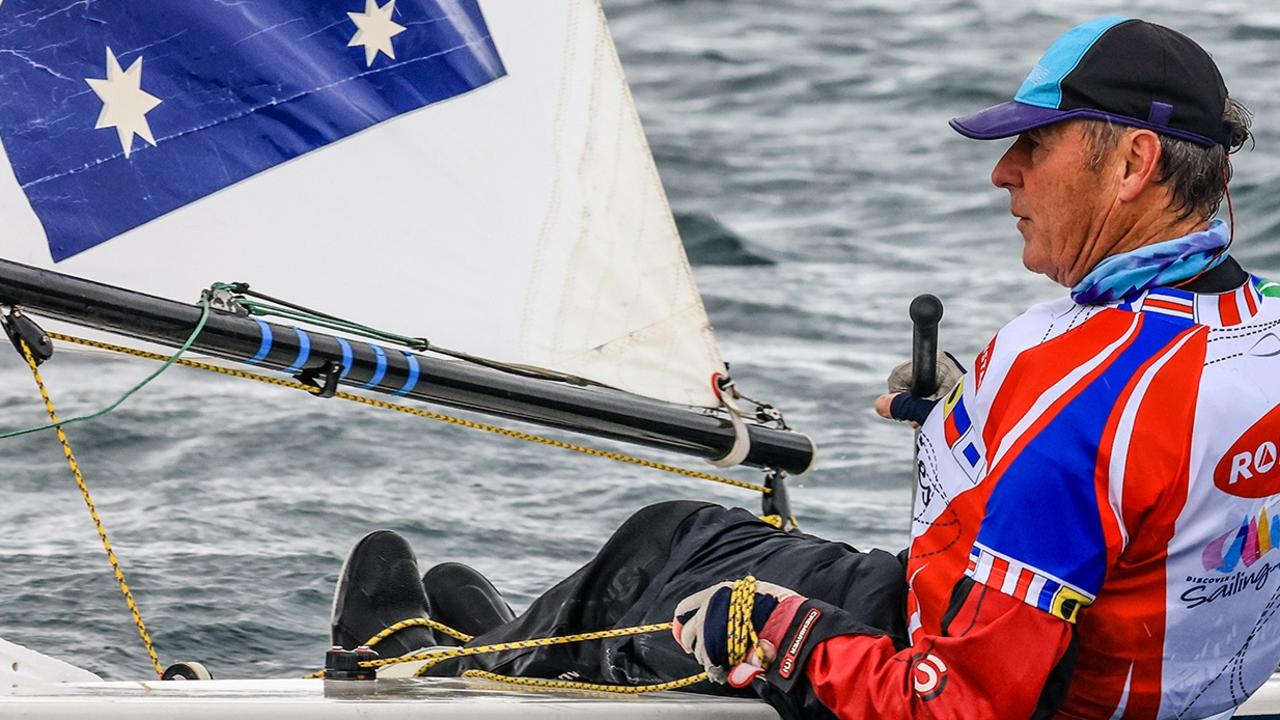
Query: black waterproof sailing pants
[664, 553]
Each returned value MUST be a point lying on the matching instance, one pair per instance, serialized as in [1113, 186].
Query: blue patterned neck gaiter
[1152, 266]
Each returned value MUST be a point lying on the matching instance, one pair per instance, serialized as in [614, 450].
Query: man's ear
[1140, 150]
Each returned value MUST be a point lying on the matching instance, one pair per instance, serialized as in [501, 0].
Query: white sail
[523, 221]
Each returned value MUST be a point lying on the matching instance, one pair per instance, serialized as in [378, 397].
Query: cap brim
[1006, 120]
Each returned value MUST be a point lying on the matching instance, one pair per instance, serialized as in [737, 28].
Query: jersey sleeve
[1000, 658]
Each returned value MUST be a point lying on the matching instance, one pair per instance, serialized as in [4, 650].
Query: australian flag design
[116, 112]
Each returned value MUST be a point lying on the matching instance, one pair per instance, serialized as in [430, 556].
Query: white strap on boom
[722, 385]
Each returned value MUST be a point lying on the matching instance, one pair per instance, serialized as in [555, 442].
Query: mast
[594, 411]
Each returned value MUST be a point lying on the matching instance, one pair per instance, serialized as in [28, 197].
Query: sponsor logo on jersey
[1236, 560]
[1246, 544]
[929, 676]
[1251, 468]
[1205, 590]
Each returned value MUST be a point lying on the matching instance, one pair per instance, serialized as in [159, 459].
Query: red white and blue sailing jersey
[1117, 467]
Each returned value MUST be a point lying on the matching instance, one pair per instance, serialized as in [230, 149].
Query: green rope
[204, 317]
[264, 309]
[256, 307]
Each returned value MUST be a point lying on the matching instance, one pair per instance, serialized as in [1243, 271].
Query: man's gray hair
[1196, 175]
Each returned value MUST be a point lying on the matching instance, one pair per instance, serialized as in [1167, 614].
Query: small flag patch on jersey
[968, 454]
[1025, 583]
[1167, 301]
[1228, 309]
[957, 422]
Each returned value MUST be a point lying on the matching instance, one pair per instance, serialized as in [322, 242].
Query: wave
[710, 242]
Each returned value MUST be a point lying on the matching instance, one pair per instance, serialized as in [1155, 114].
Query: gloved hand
[701, 626]
[900, 404]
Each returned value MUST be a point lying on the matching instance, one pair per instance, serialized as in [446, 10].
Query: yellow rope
[93, 511]
[435, 657]
[742, 638]
[574, 685]
[418, 412]
[742, 634]
[418, 622]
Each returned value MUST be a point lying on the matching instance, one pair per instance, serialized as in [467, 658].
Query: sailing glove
[900, 404]
[701, 626]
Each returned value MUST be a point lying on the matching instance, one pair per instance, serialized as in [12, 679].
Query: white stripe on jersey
[1037, 584]
[1123, 703]
[1124, 435]
[983, 570]
[1010, 584]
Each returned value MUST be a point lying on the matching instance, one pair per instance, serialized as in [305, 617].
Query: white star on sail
[124, 103]
[375, 28]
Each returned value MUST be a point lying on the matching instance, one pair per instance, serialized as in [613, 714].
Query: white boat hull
[406, 699]
[402, 698]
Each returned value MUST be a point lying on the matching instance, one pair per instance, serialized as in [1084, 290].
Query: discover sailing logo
[1247, 544]
[1224, 555]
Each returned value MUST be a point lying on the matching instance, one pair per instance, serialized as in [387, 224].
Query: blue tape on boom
[380, 371]
[412, 382]
[265, 347]
[304, 351]
[346, 357]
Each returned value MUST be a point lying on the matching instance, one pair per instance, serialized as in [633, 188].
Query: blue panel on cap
[1043, 87]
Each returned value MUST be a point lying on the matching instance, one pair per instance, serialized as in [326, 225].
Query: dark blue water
[805, 150]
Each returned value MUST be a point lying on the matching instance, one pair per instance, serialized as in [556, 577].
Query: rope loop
[742, 634]
[742, 639]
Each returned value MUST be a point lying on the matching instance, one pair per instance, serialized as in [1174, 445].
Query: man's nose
[1008, 172]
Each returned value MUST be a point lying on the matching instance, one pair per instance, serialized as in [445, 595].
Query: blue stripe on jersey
[961, 415]
[1049, 486]
[1173, 293]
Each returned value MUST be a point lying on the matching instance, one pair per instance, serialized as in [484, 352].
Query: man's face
[1056, 197]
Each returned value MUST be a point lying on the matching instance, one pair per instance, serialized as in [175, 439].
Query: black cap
[1129, 71]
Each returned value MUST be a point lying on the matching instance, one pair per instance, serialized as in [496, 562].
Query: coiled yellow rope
[419, 412]
[741, 639]
[742, 634]
[93, 511]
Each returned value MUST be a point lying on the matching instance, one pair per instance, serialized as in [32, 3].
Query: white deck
[1265, 702]
[409, 699]
[387, 698]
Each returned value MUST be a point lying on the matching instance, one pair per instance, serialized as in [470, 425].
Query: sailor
[1093, 534]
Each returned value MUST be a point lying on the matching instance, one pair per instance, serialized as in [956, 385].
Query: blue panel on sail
[115, 113]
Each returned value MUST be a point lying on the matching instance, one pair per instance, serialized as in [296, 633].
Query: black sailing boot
[465, 600]
[377, 588]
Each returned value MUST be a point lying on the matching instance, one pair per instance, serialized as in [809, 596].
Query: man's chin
[1036, 264]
